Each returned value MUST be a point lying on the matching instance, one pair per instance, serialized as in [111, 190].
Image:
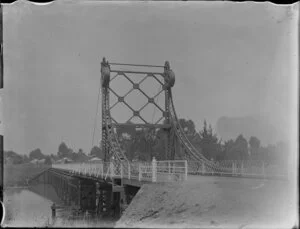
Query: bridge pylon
[165, 78]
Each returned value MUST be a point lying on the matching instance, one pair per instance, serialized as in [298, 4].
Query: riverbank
[83, 223]
[24, 208]
[216, 202]
[18, 175]
[31, 207]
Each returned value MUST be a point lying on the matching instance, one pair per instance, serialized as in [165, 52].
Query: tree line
[64, 152]
[17, 158]
[144, 144]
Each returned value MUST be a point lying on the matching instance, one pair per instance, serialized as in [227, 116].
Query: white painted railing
[155, 171]
[246, 168]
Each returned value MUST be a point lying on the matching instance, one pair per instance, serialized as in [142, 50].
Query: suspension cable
[95, 120]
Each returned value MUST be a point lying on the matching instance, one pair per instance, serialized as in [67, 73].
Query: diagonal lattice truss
[147, 100]
[110, 144]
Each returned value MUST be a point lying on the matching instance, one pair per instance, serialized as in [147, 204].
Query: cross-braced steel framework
[109, 123]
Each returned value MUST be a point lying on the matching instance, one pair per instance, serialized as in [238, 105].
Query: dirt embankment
[17, 175]
[212, 202]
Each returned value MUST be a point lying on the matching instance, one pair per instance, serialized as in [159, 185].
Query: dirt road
[215, 202]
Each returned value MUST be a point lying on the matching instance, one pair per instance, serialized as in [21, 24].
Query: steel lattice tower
[109, 123]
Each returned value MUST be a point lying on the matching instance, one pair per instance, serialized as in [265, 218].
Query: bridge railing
[244, 168]
[155, 171]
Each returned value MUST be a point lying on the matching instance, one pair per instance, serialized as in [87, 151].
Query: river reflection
[26, 208]
[31, 207]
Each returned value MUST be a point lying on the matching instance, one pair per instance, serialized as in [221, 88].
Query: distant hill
[230, 127]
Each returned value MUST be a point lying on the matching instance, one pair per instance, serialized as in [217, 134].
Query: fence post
[154, 170]
[169, 166]
[186, 169]
[112, 172]
[140, 172]
[242, 168]
[232, 168]
[203, 168]
[129, 171]
[121, 170]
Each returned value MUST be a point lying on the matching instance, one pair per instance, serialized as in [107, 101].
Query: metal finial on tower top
[105, 73]
[167, 65]
[169, 75]
[104, 62]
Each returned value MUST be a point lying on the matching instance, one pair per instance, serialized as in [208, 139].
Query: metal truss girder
[109, 139]
[136, 72]
[136, 113]
[164, 126]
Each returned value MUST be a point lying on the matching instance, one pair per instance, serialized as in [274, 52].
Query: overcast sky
[230, 59]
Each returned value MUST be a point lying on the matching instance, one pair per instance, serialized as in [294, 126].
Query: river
[31, 207]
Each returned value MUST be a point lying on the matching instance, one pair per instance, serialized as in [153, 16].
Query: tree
[48, 160]
[97, 152]
[240, 148]
[188, 127]
[254, 143]
[141, 144]
[209, 142]
[36, 154]
[25, 159]
[18, 159]
[79, 157]
[64, 151]
[265, 153]
[13, 156]
[227, 150]
[278, 153]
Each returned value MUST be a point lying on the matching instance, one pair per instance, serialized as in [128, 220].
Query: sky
[229, 59]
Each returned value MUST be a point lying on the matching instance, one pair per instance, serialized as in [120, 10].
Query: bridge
[99, 186]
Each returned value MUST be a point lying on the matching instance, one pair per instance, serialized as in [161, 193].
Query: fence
[249, 168]
[155, 171]
[177, 170]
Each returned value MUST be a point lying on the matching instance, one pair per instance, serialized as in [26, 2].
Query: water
[31, 207]
[24, 207]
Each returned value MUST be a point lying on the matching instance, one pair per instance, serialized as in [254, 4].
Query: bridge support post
[154, 170]
[121, 170]
[112, 172]
[185, 170]
[102, 170]
[140, 172]
[242, 168]
[203, 168]
[129, 172]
